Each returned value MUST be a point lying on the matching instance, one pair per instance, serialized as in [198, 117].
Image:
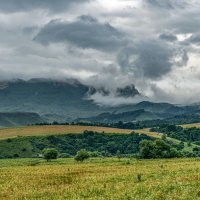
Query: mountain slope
[125, 117]
[19, 119]
[68, 100]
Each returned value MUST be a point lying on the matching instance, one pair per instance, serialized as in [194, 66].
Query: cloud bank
[152, 44]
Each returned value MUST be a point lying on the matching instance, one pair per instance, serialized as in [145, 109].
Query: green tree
[181, 146]
[50, 154]
[147, 149]
[82, 155]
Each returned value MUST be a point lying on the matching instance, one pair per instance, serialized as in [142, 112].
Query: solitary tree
[82, 155]
[50, 154]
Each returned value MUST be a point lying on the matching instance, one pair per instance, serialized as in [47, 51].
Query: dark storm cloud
[9, 6]
[85, 32]
[151, 59]
[168, 37]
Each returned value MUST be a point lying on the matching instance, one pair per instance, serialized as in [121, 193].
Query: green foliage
[104, 145]
[157, 149]
[50, 154]
[177, 132]
[82, 155]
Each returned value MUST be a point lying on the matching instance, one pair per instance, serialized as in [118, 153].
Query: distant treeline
[176, 120]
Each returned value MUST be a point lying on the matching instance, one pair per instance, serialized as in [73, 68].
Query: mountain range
[69, 100]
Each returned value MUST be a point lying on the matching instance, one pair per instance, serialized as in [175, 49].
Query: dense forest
[105, 144]
[184, 134]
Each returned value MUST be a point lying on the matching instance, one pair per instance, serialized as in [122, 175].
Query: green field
[109, 178]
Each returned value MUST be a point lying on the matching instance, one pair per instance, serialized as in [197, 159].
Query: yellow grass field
[147, 131]
[100, 179]
[54, 130]
[197, 125]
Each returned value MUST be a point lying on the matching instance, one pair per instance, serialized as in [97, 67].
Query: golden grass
[147, 131]
[106, 179]
[54, 130]
[197, 125]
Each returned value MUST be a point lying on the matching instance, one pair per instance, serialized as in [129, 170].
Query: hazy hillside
[125, 117]
[19, 119]
[56, 99]
[68, 100]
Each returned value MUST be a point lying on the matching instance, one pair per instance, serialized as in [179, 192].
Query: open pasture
[108, 178]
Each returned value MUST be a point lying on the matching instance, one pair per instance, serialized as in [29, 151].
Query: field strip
[196, 125]
[55, 130]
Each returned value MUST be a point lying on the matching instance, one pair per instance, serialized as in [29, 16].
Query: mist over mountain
[68, 100]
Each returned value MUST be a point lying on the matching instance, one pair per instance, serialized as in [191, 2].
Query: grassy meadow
[95, 178]
[108, 178]
[54, 130]
[197, 125]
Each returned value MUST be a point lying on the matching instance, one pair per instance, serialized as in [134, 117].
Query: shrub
[50, 154]
[94, 154]
[157, 149]
[82, 155]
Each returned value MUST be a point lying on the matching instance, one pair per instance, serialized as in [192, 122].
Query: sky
[153, 44]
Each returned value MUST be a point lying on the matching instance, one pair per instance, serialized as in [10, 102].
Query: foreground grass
[54, 130]
[100, 179]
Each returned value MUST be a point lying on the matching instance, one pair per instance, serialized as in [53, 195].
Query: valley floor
[107, 178]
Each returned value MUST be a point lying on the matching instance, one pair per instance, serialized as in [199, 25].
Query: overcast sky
[153, 44]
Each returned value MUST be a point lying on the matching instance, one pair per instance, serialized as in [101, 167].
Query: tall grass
[100, 179]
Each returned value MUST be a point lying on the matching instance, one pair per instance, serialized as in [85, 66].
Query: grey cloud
[9, 6]
[151, 59]
[168, 37]
[85, 32]
[194, 39]
[157, 3]
[171, 4]
[138, 48]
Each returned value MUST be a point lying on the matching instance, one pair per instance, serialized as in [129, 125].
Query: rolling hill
[130, 116]
[19, 119]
